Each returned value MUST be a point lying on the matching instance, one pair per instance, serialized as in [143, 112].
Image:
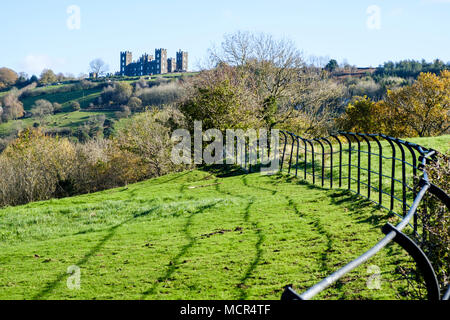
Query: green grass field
[66, 119]
[84, 97]
[61, 120]
[196, 235]
[441, 144]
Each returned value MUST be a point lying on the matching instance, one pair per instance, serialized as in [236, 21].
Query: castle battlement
[151, 65]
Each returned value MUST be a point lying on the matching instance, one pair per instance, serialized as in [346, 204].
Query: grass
[66, 119]
[198, 235]
[61, 120]
[84, 97]
[236, 237]
[441, 144]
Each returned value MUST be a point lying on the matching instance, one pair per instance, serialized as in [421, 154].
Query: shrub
[8, 77]
[161, 95]
[102, 165]
[435, 217]
[148, 135]
[12, 106]
[135, 104]
[33, 167]
[42, 108]
[57, 107]
[122, 92]
[75, 106]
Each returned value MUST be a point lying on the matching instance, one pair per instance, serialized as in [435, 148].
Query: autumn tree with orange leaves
[421, 109]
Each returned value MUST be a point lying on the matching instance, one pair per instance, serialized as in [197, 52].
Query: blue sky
[35, 34]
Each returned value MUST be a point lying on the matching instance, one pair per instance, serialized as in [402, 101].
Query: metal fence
[388, 172]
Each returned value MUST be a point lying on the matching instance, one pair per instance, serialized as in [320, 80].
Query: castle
[151, 65]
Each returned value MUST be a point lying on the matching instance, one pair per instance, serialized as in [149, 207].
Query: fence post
[402, 150]
[323, 161]
[388, 139]
[380, 169]
[359, 161]
[369, 165]
[306, 158]
[313, 160]
[340, 159]
[331, 162]
[349, 161]
[292, 151]
[414, 159]
[284, 150]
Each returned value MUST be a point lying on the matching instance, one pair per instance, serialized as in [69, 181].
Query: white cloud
[34, 64]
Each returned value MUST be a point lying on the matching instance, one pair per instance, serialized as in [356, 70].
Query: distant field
[84, 97]
[61, 120]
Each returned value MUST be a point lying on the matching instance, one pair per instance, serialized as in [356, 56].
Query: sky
[66, 35]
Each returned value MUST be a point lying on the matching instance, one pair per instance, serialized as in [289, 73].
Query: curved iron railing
[323, 160]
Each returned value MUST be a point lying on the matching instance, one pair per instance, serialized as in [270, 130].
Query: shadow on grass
[243, 294]
[111, 232]
[172, 179]
[355, 204]
[245, 182]
[242, 285]
[223, 171]
[175, 261]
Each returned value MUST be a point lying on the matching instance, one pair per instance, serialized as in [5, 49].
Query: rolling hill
[197, 235]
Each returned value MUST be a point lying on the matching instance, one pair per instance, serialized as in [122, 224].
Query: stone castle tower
[182, 61]
[126, 58]
[161, 61]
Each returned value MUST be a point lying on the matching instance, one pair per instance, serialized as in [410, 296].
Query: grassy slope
[245, 237]
[442, 144]
[84, 97]
[65, 119]
[148, 241]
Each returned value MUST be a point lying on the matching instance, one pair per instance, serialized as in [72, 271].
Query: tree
[47, 77]
[12, 106]
[75, 106]
[332, 65]
[7, 77]
[22, 79]
[218, 101]
[98, 66]
[57, 107]
[421, 109]
[122, 92]
[361, 116]
[135, 104]
[274, 74]
[41, 108]
[424, 106]
[34, 79]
